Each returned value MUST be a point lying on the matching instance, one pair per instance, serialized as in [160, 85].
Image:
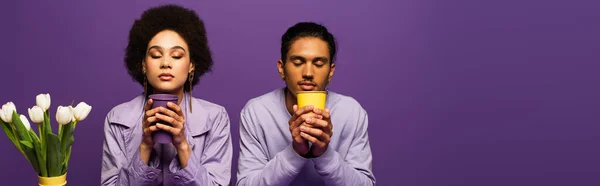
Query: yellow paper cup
[314, 98]
[53, 181]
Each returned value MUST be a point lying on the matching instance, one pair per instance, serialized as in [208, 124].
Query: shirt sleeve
[214, 168]
[120, 169]
[255, 169]
[356, 167]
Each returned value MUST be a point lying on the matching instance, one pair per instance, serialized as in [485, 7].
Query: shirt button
[151, 175]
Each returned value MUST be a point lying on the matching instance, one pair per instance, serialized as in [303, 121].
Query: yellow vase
[53, 181]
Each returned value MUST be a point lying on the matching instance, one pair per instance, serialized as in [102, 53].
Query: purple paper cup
[161, 100]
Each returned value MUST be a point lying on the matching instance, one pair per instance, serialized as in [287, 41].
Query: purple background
[462, 92]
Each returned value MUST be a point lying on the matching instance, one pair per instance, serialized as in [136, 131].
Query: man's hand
[300, 144]
[318, 130]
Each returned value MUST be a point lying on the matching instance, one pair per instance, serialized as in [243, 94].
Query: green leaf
[34, 138]
[68, 155]
[54, 156]
[66, 161]
[30, 153]
[47, 128]
[8, 130]
[41, 157]
[21, 130]
[67, 133]
[27, 144]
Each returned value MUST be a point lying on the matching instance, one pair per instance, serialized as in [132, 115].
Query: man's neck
[290, 101]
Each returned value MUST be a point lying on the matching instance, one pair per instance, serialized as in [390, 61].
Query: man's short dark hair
[307, 29]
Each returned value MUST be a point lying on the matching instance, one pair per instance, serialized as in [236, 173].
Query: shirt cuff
[181, 176]
[292, 160]
[147, 173]
[327, 162]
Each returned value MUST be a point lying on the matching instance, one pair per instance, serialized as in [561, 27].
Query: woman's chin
[166, 90]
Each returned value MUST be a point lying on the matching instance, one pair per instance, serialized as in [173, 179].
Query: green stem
[60, 130]
[18, 144]
[44, 141]
[41, 131]
[40, 156]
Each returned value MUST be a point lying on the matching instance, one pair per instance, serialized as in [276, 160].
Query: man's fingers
[298, 139]
[317, 123]
[317, 133]
[296, 135]
[297, 122]
[312, 139]
[323, 113]
[300, 114]
[302, 110]
[312, 131]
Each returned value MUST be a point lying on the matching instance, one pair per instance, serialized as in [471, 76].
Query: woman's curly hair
[168, 17]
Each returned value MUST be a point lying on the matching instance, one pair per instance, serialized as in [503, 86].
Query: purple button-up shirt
[267, 156]
[206, 129]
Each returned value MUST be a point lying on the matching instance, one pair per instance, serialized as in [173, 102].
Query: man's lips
[307, 86]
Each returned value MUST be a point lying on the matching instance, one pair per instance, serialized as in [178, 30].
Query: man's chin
[295, 91]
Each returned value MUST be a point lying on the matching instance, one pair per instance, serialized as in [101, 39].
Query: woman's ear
[192, 68]
[144, 66]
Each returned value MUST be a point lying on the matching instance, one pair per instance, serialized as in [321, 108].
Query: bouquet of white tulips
[47, 152]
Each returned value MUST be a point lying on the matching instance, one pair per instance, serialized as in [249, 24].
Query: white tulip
[36, 114]
[7, 112]
[43, 101]
[2, 117]
[63, 115]
[81, 111]
[72, 112]
[25, 122]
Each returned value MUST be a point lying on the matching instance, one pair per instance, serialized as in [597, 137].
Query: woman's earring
[191, 78]
[145, 85]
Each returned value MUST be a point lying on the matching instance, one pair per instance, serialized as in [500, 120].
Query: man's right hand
[300, 144]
